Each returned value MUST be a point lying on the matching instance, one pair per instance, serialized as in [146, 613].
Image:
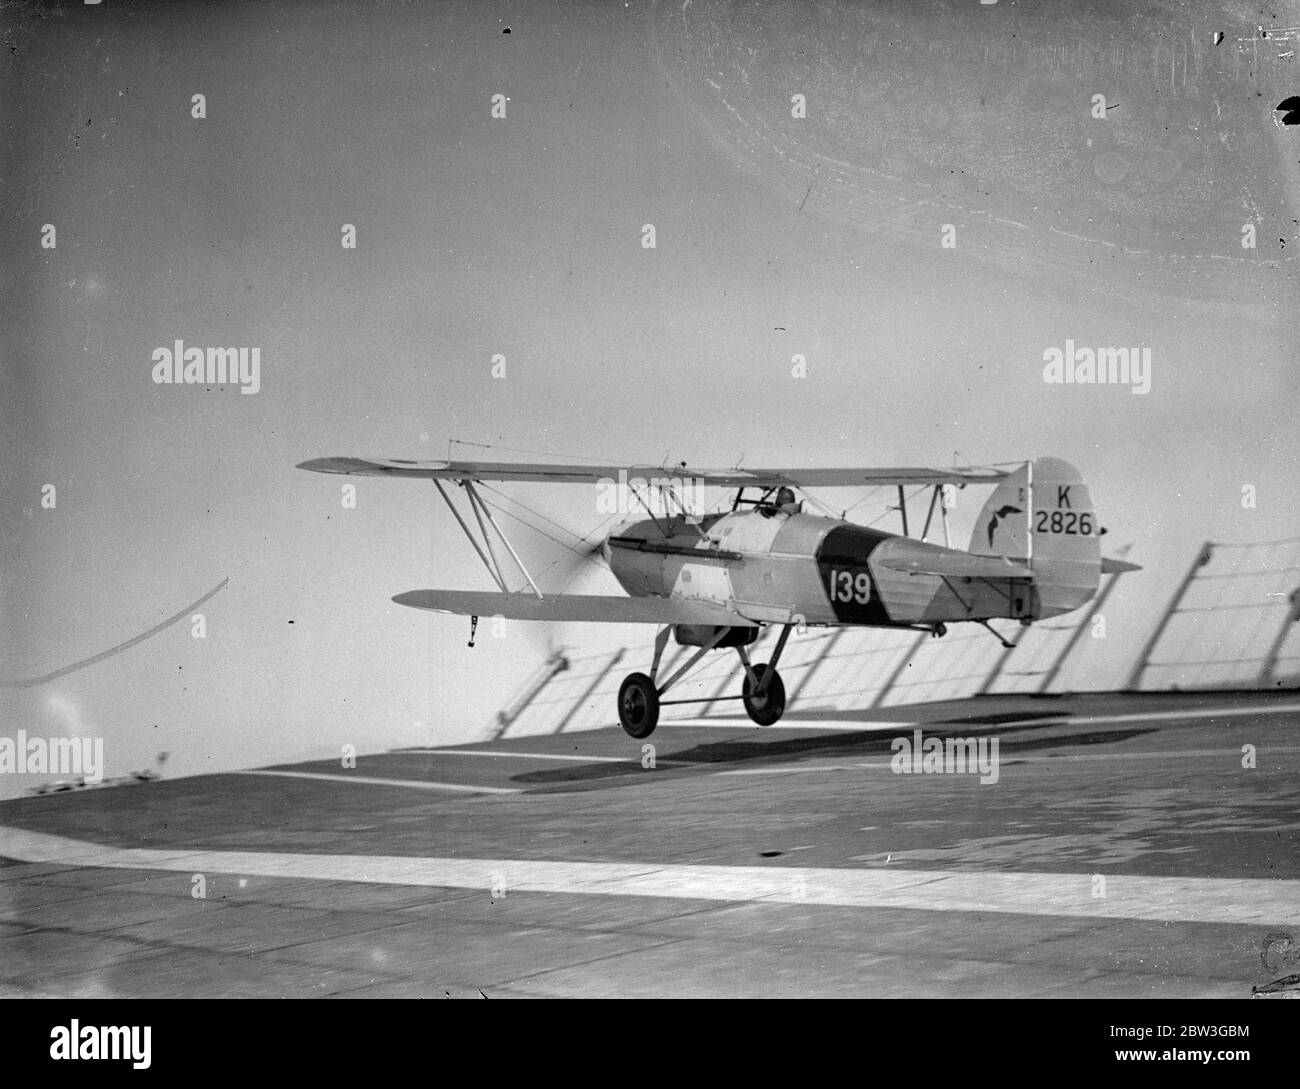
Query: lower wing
[589, 608]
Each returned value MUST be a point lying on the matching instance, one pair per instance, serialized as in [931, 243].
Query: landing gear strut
[763, 693]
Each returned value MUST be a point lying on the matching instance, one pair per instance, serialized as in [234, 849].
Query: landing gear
[767, 706]
[641, 696]
[638, 706]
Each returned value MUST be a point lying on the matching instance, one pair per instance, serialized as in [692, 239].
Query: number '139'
[850, 586]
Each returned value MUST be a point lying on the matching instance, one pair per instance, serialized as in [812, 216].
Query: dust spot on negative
[935, 116]
[1110, 168]
[1163, 166]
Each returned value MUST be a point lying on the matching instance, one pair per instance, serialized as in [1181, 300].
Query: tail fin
[1042, 514]
[1002, 528]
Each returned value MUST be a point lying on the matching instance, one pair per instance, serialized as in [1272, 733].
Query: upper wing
[583, 607]
[542, 473]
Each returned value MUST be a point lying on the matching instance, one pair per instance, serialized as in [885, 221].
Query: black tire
[768, 708]
[638, 706]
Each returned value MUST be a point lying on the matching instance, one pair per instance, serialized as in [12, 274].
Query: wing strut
[469, 487]
[937, 496]
[489, 558]
[450, 506]
[474, 505]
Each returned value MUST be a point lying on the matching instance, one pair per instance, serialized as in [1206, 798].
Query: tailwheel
[638, 705]
[770, 706]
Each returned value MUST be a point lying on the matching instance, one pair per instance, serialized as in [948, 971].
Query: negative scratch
[31, 682]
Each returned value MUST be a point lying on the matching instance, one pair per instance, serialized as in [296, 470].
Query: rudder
[1043, 514]
[1065, 537]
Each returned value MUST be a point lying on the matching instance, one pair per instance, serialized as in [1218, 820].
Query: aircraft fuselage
[781, 567]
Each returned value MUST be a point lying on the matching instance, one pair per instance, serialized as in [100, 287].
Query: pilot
[783, 503]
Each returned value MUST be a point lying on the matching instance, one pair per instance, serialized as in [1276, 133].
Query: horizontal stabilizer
[1110, 566]
[543, 473]
[585, 608]
[956, 565]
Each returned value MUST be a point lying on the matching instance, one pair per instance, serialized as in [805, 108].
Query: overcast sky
[523, 236]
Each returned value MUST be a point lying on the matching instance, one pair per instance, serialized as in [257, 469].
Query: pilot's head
[784, 497]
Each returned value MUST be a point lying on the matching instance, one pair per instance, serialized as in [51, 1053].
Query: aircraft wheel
[638, 705]
[768, 707]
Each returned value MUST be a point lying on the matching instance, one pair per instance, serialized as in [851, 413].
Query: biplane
[715, 581]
